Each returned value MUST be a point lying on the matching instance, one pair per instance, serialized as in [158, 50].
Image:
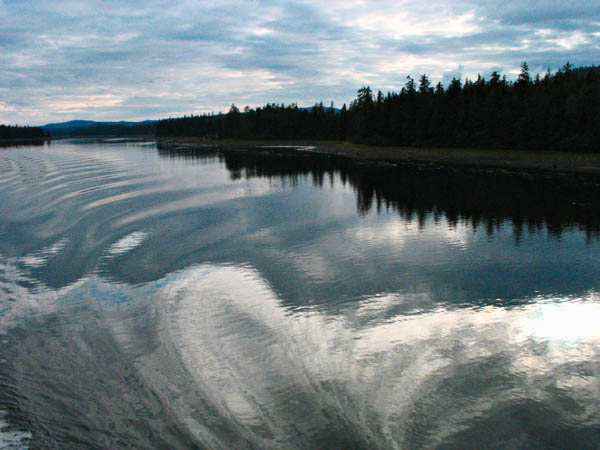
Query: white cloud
[192, 57]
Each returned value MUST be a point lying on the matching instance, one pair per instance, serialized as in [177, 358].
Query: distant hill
[70, 125]
[93, 128]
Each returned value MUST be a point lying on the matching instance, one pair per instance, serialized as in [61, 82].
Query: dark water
[162, 298]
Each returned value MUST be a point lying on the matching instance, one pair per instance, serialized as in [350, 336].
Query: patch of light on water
[566, 322]
[385, 366]
[33, 261]
[12, 440]
[295, 147]
[127, 243]
[40, 258]
[245, 190]
[399, 231]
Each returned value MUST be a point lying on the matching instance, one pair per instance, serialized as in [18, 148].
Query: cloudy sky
[135, 60]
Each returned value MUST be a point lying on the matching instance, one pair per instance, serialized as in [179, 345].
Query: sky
[135, 60]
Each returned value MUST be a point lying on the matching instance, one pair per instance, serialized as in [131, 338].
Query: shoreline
[23, 141]
[513, 160]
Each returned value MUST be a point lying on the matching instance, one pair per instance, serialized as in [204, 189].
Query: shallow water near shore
[162, 298]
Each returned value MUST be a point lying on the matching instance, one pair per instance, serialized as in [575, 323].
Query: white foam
[12, 439]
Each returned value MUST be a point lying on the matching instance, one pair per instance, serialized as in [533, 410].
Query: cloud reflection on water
[253, 304]
[231, 328]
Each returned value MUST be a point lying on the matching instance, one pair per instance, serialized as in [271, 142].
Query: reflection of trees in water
[479, 197]
[23, 143]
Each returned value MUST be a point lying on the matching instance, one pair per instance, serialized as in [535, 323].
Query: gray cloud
[112, 60]
[552, 13]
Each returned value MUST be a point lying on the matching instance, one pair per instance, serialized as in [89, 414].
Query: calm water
[162, 298]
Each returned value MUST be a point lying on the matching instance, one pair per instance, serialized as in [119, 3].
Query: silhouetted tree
[555, 112]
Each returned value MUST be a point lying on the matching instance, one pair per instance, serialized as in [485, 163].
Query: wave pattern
[154, 303]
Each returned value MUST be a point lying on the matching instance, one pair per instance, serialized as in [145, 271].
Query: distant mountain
[93, 128]
[71, 124]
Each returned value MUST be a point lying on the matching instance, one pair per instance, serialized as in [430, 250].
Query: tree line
[19, 132]
[556, 111]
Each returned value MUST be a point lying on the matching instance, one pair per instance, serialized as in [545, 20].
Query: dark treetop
[18, 132]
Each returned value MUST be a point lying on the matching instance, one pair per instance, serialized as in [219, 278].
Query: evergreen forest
[19, 132]
[556, 111]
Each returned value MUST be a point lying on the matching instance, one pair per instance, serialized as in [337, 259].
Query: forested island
[557, 111]
[15, 132]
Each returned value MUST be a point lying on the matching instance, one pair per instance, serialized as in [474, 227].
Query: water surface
[179, 298]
